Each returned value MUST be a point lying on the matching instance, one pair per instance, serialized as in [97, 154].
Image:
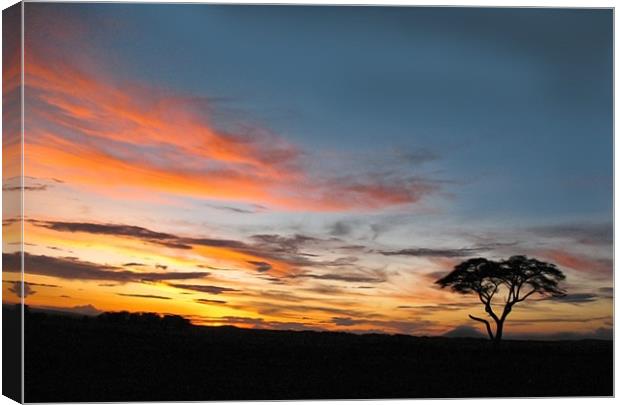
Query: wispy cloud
[597, 267]
[157, 297]
[209, 289]
[255, 208]
[587, 234]
[115, 230]
[263, 252]
[425, 252]
[73, 269]
[357, 277]
[341, 228]
[124, 121]
[558, 320]
[441, 306]
[578, 298]
[208, 301]
[258, 323]
[261, 267]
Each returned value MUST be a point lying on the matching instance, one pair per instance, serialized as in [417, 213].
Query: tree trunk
[499, 331]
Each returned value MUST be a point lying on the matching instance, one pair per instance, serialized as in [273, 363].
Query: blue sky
[515, 104]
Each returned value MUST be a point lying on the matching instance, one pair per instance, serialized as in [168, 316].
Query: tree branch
[489, 310]
[526, 295]
[518, 291]
[494, 291]
[486, 300]
[486, 323]
[511, 293]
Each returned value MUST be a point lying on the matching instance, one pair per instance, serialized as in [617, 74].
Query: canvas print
[255, 202]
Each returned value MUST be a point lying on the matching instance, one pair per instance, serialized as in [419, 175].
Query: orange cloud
[142, 117]
[580, 263]
[106, 137]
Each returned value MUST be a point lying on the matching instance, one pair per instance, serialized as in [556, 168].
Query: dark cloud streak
[73, 269]
[424, 252]
[587, 234]
[210, 289]
[207, 301]
[158, 297]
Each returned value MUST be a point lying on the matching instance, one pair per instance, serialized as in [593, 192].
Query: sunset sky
[314, 167]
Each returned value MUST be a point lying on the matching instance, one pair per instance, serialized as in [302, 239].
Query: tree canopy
[514, 279]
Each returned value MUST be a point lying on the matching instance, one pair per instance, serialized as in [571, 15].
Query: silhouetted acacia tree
[514, 280]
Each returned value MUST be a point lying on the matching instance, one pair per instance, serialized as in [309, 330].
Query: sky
[299, 167]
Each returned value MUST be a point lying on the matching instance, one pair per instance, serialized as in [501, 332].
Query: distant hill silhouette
[131, 357]
[464, 331]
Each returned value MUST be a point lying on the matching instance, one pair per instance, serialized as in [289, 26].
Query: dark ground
[11, 354]
[88, 359]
